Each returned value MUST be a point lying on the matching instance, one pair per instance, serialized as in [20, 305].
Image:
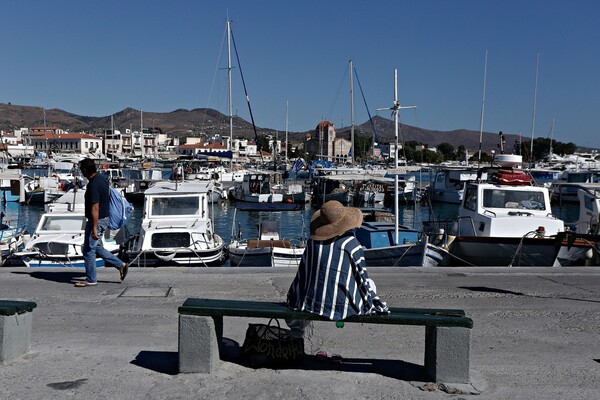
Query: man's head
[87, 166]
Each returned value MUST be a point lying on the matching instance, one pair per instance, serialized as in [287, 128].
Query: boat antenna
[352, 148]
[286, 132]
[237, 57]
[537, 67]
[482, 109]
[551, 137]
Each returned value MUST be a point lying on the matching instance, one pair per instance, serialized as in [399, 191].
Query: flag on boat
[298, 165]
[350, 152]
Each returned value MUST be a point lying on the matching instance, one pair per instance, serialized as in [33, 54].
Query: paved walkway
[536, 336]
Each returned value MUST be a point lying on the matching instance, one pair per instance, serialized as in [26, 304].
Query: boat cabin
[507, 210]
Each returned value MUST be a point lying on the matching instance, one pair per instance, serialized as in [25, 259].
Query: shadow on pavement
[164, 362]
[503, 291]
[60, 277]
[490, 290]
[401, 370]
[167, 362]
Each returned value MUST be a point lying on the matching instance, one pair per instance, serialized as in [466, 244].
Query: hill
[183, 122]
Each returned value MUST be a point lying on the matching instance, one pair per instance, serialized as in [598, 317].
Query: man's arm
[94, 220]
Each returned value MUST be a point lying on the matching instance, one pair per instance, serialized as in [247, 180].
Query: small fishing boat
[564, 189]
[448, 185]
[411, 250]
[12, 238]
[177, 229]
[505, 221]
[267, 249]
[257, 187]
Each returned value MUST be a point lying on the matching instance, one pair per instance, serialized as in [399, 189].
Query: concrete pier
[535, 336]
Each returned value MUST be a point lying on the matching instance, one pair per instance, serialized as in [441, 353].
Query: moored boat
[177, 229]
[411, 250]
[60, 233]
[266, 249]
[505, 222]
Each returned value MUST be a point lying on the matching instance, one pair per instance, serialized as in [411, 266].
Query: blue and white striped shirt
[332, 280]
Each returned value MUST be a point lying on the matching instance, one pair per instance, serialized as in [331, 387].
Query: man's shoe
[123, 271]
[85, 284]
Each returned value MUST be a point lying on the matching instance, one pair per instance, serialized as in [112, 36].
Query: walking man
[97, 202]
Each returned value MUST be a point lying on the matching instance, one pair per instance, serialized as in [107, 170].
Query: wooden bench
[447, 333]
[15, 328]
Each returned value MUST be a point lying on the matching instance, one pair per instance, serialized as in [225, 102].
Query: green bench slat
[258, 309]
[12, 307]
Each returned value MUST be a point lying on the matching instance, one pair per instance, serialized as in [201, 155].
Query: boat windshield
[63, 223]
[179, 205]
[520, 199]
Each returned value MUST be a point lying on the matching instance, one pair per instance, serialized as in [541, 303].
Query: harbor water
[293, 224]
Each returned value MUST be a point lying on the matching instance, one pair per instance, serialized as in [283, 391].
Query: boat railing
[438, 230]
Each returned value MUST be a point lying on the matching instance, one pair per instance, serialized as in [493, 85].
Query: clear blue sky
[97, 57]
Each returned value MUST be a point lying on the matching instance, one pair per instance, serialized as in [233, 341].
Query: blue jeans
[93, 248]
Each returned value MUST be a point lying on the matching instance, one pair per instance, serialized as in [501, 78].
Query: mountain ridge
[183, 122]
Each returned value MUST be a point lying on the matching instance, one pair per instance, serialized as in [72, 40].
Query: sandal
[123, 271]
[85, 284]
[321, 356]
[336, 359]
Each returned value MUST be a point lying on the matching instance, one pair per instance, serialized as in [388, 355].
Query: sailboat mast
[229, 80]
[396, 110]
[537, 67]
[286, 130]
[482, 109]
[551, 138]
[396, 130]
[352, 149]
[142, 132]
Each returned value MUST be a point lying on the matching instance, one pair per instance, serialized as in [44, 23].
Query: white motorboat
[177, 229]
[505, 222]
[564, 188]
[60, 233]
[448, 185]
[257, 187]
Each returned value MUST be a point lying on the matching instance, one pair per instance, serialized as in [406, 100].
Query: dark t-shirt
[96, 191]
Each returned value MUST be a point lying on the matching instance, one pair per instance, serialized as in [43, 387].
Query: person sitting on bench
[332, 279]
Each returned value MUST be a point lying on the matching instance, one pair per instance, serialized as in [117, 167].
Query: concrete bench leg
[15, 335]
[448, 354]
[198, 345]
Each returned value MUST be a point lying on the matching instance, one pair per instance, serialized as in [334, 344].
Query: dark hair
[88, 164]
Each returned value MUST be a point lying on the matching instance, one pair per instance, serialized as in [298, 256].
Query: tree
[263, 143]
[447, 151]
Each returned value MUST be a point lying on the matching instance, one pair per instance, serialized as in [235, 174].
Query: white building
[77, 143]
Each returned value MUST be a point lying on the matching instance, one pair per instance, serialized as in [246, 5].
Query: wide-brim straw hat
[333, 219]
